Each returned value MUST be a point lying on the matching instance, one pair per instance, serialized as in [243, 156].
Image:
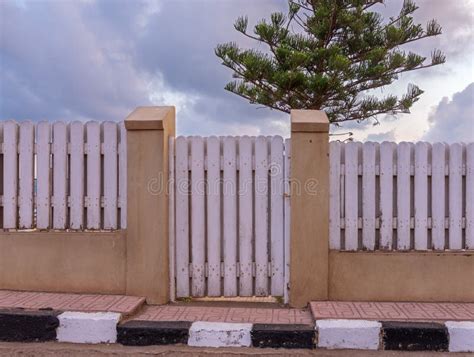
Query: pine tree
[330, 55]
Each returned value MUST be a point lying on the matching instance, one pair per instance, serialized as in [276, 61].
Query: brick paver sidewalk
[134, 308]
[392, 311]
[125, 305]
[225, 314]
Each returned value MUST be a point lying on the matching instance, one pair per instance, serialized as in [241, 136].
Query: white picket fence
[401, 197]
[229, 229]
[62, 175]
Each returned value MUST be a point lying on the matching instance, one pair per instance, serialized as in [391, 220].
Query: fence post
[148, 130]
[309, 183]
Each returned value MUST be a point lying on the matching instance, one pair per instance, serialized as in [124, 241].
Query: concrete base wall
[401, 276]
[63, 261]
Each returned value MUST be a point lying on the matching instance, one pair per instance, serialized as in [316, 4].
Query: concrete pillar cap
[150, 118]
[314, 121]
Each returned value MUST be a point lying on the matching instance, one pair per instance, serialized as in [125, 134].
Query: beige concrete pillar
[309, 207]
[148, 131]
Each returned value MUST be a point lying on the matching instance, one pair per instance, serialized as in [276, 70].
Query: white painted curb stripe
[461, 336]
[219, 334]
[354, 334]
[87, 327]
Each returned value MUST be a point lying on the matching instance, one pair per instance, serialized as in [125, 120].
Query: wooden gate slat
[245, 216]
[182, 218]
[198, 222]
[171, 218]
[276, 216]
[261, 216]
[230, 217]
[287, 213]
[214, 216]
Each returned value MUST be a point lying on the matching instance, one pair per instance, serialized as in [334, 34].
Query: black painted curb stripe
[414, 336]
[283, 336]
[28, 326]
[146, 333]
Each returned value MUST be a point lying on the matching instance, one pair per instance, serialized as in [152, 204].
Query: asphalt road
[64, 349]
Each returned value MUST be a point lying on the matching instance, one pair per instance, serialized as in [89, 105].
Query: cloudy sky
[98, 59]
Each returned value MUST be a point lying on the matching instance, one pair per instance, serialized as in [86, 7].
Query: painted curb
[220, 334]
[47, 325]
[461, 336]
[283, 336]
[28, 326]
[88, 327]
[414, 336]
[146, 333]
[348, 334]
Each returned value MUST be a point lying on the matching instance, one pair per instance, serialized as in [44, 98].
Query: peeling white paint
[354, 334]
[461, 336]
[219, 334]
[85, 327]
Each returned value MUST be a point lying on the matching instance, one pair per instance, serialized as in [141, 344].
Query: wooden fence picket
[26, 175]
[470, 196]
[10, 174]
[94, 173]
[50, 173]
[403, 195]
[455, 195]
[368, 193]
[387, 151]
[59, 175]
[335, 148]
[438, 195]
[351, 164]
[110, 180]
[77, 175]
[421, 196]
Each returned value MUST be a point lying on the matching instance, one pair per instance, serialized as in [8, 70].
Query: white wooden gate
[229, 224]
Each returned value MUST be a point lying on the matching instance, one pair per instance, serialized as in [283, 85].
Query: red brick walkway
[392, 310]
[225, 314]
[131, 306]
[70, 302]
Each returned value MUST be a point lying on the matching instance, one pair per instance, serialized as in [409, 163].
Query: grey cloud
[57, 65]
[388, 136]
[453, 120]
[98, 60]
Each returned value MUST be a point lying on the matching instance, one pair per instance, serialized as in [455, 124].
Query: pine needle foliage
[330, 55]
